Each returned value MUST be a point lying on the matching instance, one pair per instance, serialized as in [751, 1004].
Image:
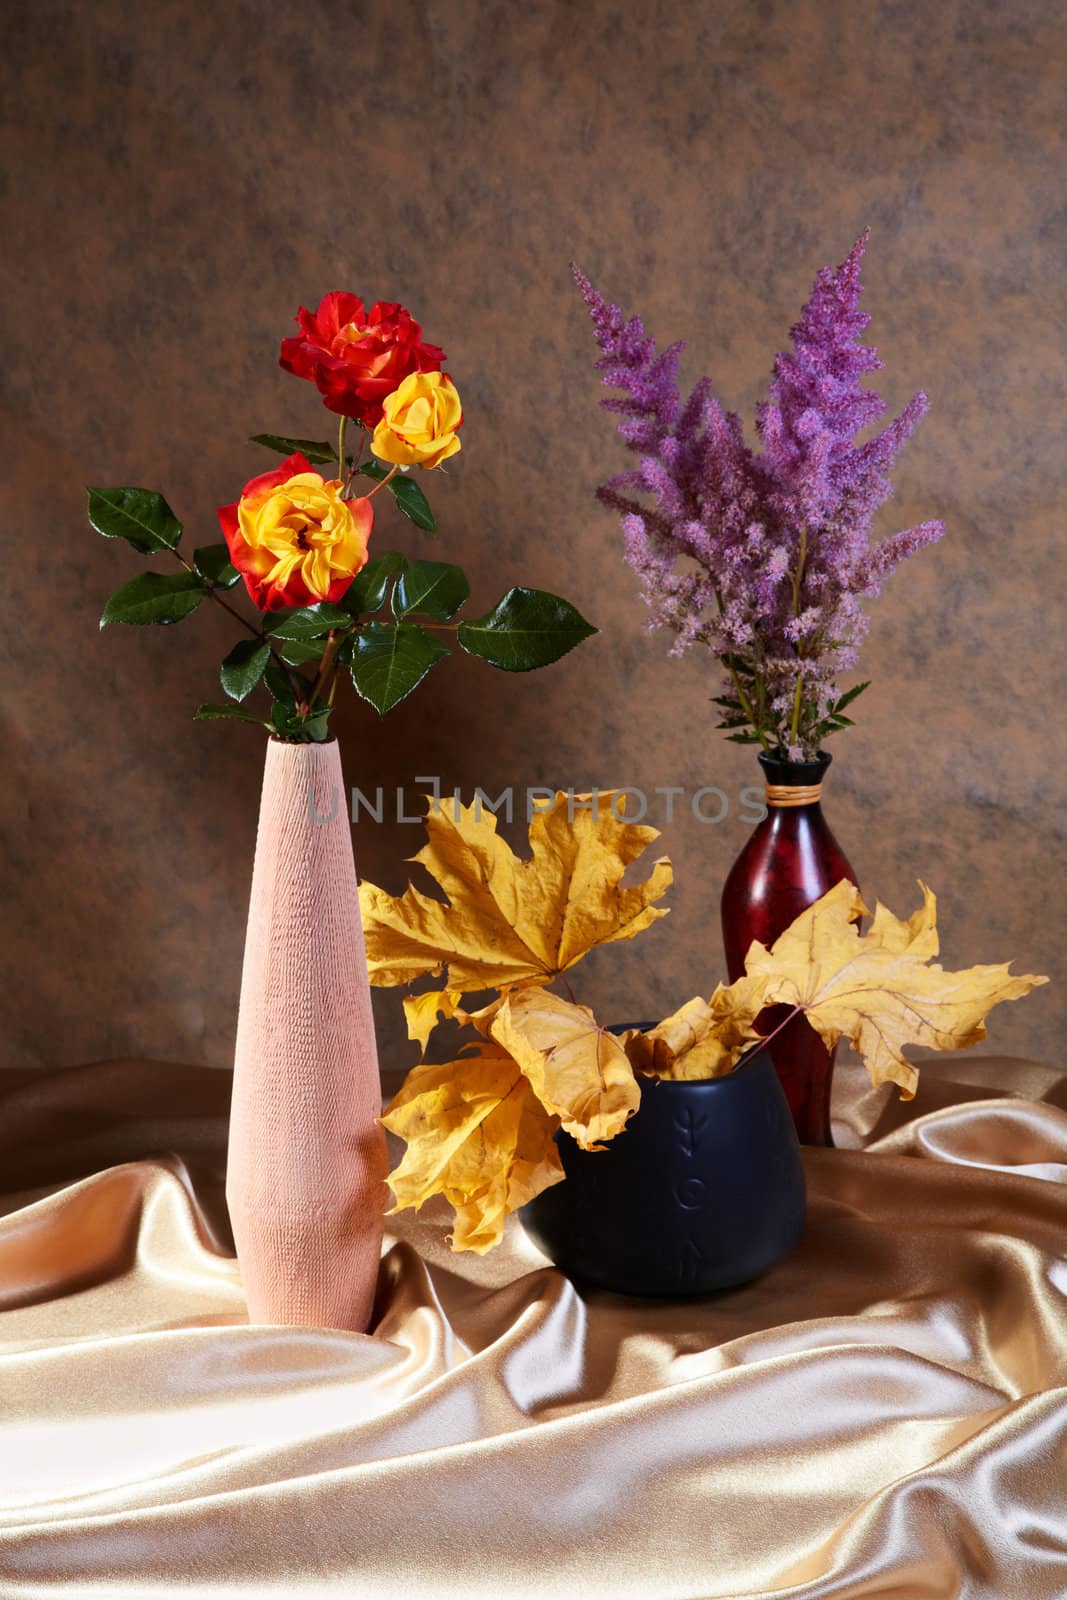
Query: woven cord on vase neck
[781, 795]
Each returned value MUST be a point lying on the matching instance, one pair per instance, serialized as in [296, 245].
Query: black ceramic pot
[703, 1190]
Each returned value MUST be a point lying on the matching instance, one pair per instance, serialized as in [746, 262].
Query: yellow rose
[293, 539]
[419, 421]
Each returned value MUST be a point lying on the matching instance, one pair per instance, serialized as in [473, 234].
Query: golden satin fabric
[884, 1415]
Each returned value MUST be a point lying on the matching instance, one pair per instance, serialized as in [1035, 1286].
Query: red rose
[356, 357]
[292, 537]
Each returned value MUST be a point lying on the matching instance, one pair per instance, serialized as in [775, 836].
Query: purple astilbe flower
[775, 547]
[879, 562]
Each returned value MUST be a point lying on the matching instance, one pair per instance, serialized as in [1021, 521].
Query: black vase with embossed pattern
[703, 1190]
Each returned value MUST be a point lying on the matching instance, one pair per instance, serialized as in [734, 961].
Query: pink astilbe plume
[762, 558]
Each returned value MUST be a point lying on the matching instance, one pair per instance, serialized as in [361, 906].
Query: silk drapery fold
[885, 1414]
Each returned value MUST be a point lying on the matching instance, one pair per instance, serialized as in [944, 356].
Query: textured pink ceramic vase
[305, 1178]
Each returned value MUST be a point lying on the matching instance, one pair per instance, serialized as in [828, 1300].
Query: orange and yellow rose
[420, 421]
[292, 537]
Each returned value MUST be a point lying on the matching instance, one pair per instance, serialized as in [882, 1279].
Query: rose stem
[382, 482]
[355, 462]
[297, 683]
[333, 644]
[341, 448]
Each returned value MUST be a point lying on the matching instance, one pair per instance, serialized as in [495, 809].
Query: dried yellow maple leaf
[578, 1070]
[423, 1011]
[509, 920]
[477, 1134]
[877, 989]
[704, 1038]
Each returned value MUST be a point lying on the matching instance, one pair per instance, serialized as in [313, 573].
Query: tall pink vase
[305, 1177]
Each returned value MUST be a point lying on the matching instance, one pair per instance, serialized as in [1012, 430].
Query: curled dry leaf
[879, 990]
[579, 1071]
[508, 920]
[876, 989]
[477, 1134]
[704, 1038]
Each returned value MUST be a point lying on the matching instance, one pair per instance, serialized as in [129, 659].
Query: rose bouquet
[482, 1129]
[299, 539]
[764, 558]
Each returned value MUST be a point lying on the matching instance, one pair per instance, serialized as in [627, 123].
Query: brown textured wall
[178, 177]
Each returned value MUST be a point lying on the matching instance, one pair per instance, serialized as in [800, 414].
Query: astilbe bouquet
[299, 539]
[762, 557]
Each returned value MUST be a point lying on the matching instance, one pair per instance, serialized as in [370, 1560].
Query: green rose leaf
[280, 688]
[316, 450]
[413, 503]
[526, 629]
[228, 714]
[212, 561]
[434, 588]
[295, 652]
[140, 516]
[309, 622]
[390, 659]
[407, 494]
[243, 667]
[288, 724]
[155, 598]
[367, 590]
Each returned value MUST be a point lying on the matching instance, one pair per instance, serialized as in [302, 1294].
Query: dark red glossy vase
[791, 860]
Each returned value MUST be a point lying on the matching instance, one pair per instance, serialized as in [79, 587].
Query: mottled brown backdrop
[179, 176]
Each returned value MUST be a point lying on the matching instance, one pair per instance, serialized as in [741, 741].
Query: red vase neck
[789, 862]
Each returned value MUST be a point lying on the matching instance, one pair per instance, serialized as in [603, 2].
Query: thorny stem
[299, 684]
[341, 447]
[354, 468]
[217, 597]
[333, 644]
[390, 475]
